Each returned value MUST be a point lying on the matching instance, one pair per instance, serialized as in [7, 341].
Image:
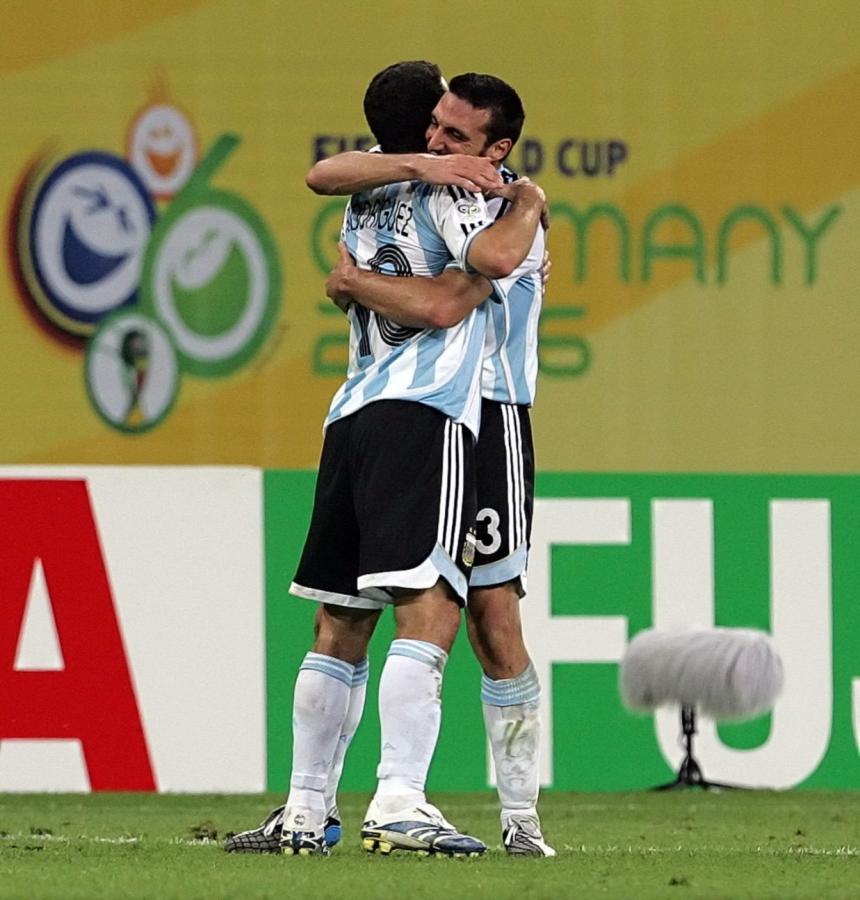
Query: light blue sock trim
[525, 688]
[361, 673]
[423, 651]
[328, 665]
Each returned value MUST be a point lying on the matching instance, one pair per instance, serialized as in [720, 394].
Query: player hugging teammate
[426, 441]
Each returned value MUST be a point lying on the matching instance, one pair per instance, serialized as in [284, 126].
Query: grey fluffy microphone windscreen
[725, 673]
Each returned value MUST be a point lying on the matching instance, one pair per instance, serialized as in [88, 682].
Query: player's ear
[499, 150]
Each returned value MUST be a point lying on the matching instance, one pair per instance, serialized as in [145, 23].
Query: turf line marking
[95, 839]
[613, 850]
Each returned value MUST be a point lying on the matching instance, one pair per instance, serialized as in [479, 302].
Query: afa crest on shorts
[469, 546]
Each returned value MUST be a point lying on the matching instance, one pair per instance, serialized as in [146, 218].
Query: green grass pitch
[740, 844]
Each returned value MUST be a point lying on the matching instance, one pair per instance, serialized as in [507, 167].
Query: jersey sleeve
[531, 265]
[459, 216]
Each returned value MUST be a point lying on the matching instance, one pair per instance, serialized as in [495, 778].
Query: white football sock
[354, 711]
[512, 720]
[410, 712]
[320, 705]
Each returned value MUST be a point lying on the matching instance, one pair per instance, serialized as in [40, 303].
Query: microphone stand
[690, 773]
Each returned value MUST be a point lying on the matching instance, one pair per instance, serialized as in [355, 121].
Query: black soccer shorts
[505, 465]
[394, 507]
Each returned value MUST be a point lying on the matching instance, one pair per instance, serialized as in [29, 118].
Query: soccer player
[482, 115]
[395, 497]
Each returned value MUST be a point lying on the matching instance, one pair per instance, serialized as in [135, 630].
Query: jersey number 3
[494, 538]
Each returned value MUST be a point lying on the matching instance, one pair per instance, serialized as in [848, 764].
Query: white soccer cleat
[521, 836]
[420, 829]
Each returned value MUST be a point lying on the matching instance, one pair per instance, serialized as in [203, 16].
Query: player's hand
[521, 190]
[524, 190]
[336, 285]
[545, 269]
[474, 173]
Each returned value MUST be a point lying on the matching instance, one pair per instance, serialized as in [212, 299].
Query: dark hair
[497, 96]
[398, 103]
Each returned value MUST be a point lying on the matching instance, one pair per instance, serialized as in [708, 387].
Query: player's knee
[494, 611]
[344, 633]
[495, 631]
[432, 616]
[492, 643]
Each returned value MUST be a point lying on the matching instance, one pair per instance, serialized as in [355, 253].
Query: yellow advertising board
[161, 276]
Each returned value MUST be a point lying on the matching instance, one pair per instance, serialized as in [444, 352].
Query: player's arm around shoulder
[499, 249]
[355, 170]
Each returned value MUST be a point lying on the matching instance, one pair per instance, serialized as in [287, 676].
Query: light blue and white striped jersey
[511, 345]
[402, 230]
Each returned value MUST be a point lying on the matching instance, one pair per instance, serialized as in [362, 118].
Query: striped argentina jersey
[413, 229]
[511, 345]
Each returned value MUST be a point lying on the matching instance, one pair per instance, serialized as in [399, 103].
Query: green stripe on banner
[596, 744]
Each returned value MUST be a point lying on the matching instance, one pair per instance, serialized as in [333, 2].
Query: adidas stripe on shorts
[505, 470]
[394, 507]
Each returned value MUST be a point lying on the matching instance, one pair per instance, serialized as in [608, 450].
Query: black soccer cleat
[266, 837]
